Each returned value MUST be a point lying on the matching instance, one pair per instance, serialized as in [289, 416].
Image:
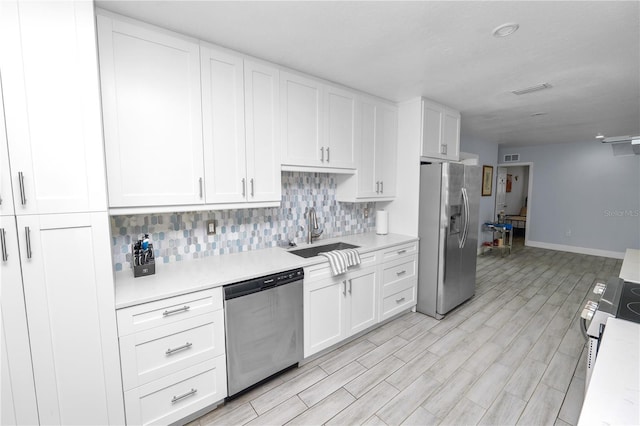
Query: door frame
[529, 196]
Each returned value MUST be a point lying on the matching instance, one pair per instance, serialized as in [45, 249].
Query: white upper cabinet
[302, 124]
[262, 120]
[6, 194]
[319, 123]
[223, 125]
[152, 114]
[341, 124]
[376, 144]
[440, 132]
[52, 117]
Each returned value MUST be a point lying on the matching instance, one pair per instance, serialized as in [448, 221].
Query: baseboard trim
[578, 250]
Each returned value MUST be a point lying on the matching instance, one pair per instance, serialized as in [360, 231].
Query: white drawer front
[152, 354]
[323, 270]
[397, 271]
[166, 311]
[395, 303]
[400, 250]
[178, 395]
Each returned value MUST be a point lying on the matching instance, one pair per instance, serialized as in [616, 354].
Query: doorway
[513, 197]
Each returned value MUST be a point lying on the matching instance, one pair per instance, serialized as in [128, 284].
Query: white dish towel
[341, 260]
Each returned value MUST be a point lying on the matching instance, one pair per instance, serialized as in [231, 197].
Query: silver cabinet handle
[443, 149]
[344, 292]
[3, 243]
[200, 182]
[402, 251]
[251, 187]
[400, 300]
[185, 308]
[179, 348]
[382, 187]
[401, 273]
[183, 396]
[23, 197]
[244, 186]
[27, 235]
[377, 187]
[322, 154]
[350, 285]
[327, 154]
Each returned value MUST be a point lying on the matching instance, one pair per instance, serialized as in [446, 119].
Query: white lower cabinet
[337, 307]
[173, 356]
[399, 275]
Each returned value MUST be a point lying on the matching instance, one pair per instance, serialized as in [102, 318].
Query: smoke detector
[505, 30]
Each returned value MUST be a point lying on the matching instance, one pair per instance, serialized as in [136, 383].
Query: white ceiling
[589, 51]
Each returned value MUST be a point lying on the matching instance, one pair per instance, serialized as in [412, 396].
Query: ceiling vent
[511, 158]
[531, 89]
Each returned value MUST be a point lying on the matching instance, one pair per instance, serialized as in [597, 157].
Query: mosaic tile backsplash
[182, 236]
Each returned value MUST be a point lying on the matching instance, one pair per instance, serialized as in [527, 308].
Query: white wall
[488, 156]
[583, 198]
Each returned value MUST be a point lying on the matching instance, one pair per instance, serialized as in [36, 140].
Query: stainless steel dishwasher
[263, 327]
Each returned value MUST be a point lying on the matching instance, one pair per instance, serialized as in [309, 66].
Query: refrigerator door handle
[465, 231]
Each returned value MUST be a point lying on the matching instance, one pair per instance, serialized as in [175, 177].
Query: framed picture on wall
[509, 182]
[487, 180]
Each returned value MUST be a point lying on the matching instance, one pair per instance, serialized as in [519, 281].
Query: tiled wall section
[182, 236]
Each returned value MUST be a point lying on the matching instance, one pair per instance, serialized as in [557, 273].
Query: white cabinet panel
[324, 314]
[69, 299]
[262, 119]
[340, 117]
[386, 148]
[52, 109]
[367, 164]
[363, 309]
[223, 125]
[152, 115]
[18, 405]
[302, 113]
[6, 194]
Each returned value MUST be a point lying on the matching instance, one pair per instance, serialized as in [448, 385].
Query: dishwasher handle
[255, 285]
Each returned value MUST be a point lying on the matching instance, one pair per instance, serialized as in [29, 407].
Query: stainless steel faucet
[312, 225]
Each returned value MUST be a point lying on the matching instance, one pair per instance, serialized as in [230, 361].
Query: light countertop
[613, 396]
[193, 275]
[630, 270]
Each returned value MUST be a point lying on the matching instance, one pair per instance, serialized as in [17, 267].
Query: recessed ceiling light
[538, 114]
[531, 89]
[505, 30]
[599, 136]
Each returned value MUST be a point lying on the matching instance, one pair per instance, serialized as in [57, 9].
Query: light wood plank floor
[514, 354]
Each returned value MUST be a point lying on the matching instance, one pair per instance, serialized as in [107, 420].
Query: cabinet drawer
[400, 250]
[323, 270]
[398, 271]
[152, 354]
[166, 311]
[397, 302]
[174, 397]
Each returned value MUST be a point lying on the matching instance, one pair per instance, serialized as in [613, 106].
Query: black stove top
[629, 306]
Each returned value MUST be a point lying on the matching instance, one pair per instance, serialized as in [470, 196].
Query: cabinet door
[450, 146]
[324, 314]
[223, 126]
[68, 285]
[152, 114]
[341, 116]
[18, 405]
[363, 305]
[367, 183]
[431, 130]
[52, 106]
[386, 148]
[6, 194]
[301, 102]
[262, 119]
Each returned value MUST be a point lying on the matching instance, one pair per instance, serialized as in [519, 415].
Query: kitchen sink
[315, 250]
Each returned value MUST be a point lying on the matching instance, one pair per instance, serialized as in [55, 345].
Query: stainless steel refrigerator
[448, 230]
